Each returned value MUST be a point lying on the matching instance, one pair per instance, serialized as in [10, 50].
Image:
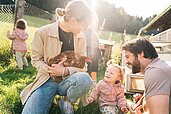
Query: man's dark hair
[139, 45]
[21, 24]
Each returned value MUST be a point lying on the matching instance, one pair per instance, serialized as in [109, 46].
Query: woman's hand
[56, 69]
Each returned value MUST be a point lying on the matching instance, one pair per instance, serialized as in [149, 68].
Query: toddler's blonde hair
[121, 69]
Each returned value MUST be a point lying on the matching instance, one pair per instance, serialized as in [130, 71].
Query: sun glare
[142, 8]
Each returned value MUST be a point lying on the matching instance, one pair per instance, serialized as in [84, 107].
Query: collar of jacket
[53, 30]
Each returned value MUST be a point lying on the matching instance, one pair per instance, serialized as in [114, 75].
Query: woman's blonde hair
[78, 9]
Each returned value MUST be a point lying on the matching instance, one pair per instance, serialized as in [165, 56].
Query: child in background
[18, 37]
[93, 52]
[110, 92]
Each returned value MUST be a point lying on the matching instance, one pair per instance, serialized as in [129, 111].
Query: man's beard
[136, 66]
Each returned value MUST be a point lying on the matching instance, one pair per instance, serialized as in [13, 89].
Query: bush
[5, 57]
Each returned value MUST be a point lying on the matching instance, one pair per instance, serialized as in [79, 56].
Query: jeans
[74, 87]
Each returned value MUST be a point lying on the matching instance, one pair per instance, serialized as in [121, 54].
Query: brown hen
[73, 59]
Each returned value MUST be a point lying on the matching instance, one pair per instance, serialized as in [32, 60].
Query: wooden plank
[135, 83]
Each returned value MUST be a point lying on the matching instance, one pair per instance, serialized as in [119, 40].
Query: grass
[115, 36]
[12, 81]
[35, 21]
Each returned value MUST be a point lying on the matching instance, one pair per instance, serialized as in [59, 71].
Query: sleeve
[121, 98]
[84, 51]
[21, 36]
[11, 36]
[84, 44]
[37, 53]
[156, 83]
[96, 91]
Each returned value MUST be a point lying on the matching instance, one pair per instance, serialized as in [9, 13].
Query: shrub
[5, 57]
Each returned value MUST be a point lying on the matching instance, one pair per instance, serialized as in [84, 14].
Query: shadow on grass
[78, 108]
[13, 74]
[92, 108]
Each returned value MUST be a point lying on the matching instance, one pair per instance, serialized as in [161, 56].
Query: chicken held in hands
[73, 59]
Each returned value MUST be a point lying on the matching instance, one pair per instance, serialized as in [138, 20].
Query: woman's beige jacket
[45, 45]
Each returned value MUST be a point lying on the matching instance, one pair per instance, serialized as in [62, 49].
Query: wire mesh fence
[6, 23]
[37, 12]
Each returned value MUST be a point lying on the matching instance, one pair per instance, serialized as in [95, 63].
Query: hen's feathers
[73, 59]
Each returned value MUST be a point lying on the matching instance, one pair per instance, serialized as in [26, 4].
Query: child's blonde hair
[121, 69]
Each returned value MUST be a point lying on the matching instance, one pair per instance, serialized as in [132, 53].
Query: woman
[49, 41]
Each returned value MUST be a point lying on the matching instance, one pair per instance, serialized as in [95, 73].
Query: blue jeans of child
[74, 87]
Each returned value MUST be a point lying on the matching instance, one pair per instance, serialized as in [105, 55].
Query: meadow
[12, 81]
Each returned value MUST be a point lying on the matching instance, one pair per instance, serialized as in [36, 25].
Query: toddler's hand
[124, 109]
[90, 100]
[8, 32]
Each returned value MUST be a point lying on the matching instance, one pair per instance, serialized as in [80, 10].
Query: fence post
[19, 9]
[18, 14]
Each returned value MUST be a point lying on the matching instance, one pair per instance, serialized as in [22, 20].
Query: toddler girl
[19, 46]
[110, 92]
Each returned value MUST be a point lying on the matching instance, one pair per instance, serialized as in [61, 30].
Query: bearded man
[142, 57]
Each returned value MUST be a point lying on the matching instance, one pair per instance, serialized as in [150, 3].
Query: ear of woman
[73, 20]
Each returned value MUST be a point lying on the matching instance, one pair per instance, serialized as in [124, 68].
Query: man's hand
[137, 110]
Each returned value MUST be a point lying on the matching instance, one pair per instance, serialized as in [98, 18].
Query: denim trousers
[74, 87]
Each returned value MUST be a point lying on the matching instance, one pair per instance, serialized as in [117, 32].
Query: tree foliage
[116, 18]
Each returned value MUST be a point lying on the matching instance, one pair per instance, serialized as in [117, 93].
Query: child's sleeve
[121, 98]
[95, 92]
[10, 36]
[22, 37]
